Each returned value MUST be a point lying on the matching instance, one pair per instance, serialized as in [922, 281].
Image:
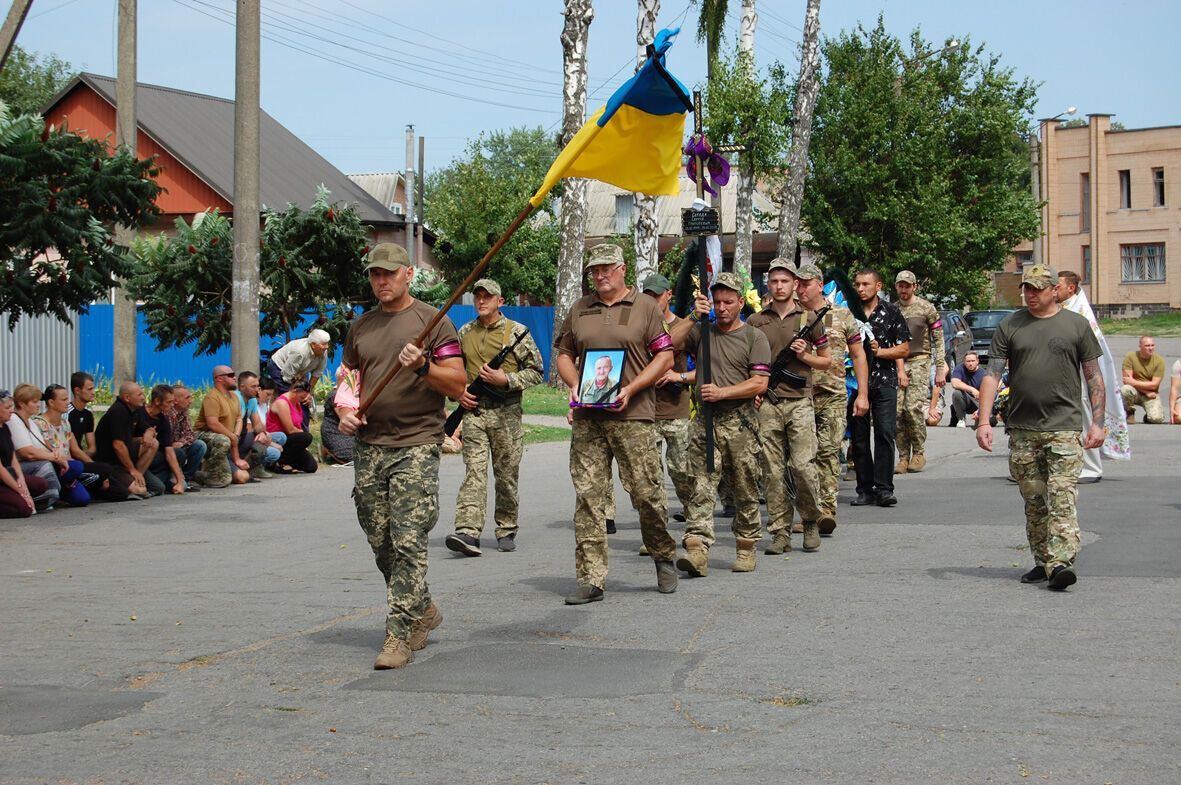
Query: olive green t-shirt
[1144, 370]
[672, 402]
[1045, 357]
[779, 332]
[734, 357]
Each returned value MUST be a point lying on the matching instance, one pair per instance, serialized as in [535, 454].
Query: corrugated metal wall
[40, 351]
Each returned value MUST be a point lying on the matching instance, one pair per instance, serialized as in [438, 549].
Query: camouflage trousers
[1154, 410]
[830, 432]
[397, 498]
[496, 433]
[910, 431]
[632, 444]
[1046, 465]
[737, 456]
[675, 436]
[217, 459]
[788, 433]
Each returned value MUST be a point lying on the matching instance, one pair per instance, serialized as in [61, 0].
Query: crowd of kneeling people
[148, 443]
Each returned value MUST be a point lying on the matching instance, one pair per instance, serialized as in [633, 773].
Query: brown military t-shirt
[635, 324]
[926, 334]
[841, 330]
[673, 403]
[408, 412]
[218, 405]
[734, 357]
[780, 332]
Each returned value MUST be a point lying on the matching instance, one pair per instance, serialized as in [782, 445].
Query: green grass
[544, 399]
[535, 434]
[1156, 325]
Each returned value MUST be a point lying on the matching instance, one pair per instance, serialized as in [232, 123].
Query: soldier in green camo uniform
[492, 424]
[396, 453]
[1044, 347]
[616, 316]
[739, 364]
[829, 397]
[926, 344]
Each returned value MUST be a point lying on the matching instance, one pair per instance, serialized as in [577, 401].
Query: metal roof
[198, 130]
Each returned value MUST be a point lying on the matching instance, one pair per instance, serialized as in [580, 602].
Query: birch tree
[647, 225]
[801, 132]
[579, 15]
[744, 201]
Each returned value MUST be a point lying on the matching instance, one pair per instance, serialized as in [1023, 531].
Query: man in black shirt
[889, 346]
[164, 467]
[116, 441]
[79, 416]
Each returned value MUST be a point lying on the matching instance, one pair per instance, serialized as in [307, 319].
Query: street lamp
[1070, 111]
[951, 46]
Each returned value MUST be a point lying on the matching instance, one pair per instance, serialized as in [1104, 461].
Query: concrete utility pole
[244, 327]
[408, 194]
[126, 327]
[420, 215]
[12, 26]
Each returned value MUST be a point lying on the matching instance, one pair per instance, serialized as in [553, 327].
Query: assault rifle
[480, 388]
[779, 370]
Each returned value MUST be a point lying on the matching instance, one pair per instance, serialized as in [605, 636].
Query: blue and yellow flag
[634, 141]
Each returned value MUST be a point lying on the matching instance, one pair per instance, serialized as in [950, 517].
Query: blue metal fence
[96, 332]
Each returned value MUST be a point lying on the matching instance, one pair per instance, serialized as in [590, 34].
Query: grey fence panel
[41, 351]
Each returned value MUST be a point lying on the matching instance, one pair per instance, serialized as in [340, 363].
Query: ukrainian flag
[634, 141]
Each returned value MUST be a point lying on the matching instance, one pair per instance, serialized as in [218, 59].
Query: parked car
[983, 325]
[957, 338]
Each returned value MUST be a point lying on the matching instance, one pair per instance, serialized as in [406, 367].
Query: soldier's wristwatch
[425, 369]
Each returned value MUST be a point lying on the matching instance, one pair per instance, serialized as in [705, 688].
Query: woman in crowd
[334, 445]
[16, 490]
[36, 460]
[286, 416]
[101, 480]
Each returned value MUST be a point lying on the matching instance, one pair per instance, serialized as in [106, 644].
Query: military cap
[779, 263]
[387, 256]
[604, 253]
[655, 283]
[808, 271]
[1040, 276]
[906, 276]
[729, 281]
[488, 285]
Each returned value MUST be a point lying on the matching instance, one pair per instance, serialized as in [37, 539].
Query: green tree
[28, 80]
[60, 196]
[919, 160]
[470, 203]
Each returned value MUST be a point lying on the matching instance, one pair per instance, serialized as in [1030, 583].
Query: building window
[1086, 276]
[1085, 208]
[1142, 263]
[624, 204]
[1158, 187]
[1125, 189]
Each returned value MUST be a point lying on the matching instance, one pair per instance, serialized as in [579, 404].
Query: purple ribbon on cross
[717, 168]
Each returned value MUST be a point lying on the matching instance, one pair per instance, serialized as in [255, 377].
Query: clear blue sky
[1101, 57]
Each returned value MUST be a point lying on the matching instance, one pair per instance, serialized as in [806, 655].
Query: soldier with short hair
[740, 364]
[787, 421]
[396, 451]
[1045, 347]
[492, 422]
[914, 399]
[616, 316]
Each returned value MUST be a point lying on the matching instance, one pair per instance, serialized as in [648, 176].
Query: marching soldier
[926, 340]
[396, 454]
[492, 421]
[616, 316]
[787, 422]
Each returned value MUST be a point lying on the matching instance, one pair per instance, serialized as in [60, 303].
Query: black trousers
[295, 452]
[875, 471]
[962, 405]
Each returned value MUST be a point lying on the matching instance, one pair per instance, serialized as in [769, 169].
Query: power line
[50, 10]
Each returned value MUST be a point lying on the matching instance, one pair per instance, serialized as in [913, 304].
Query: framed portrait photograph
[599, 380]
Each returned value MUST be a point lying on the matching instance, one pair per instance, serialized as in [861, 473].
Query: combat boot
[420, 629]
[780, 543]
[827, 523]
[259, 472]
[394, 654]
[797, 527]
[902, 466]
[811, 536]
[917, 462]
[696, 558]
[666, 577]
[745, 555]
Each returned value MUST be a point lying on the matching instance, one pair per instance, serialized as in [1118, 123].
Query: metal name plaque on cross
[697, 222]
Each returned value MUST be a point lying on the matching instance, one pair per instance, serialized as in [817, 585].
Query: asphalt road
[227, 637]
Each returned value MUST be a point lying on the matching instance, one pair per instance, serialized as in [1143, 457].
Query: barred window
[1086, 277]
[1141, 263]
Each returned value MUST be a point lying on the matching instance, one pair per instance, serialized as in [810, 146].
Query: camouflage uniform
[830, 402]
[674, 434]
[926, 343]
[788, 431]
[1046, 465]
[494, 429]
[217, 459]
[736, 442]
[397, 499]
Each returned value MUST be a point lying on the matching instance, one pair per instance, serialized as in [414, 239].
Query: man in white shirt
[303, 359]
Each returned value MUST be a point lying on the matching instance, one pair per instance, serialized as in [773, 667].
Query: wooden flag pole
[704, 367]
[369, 396]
